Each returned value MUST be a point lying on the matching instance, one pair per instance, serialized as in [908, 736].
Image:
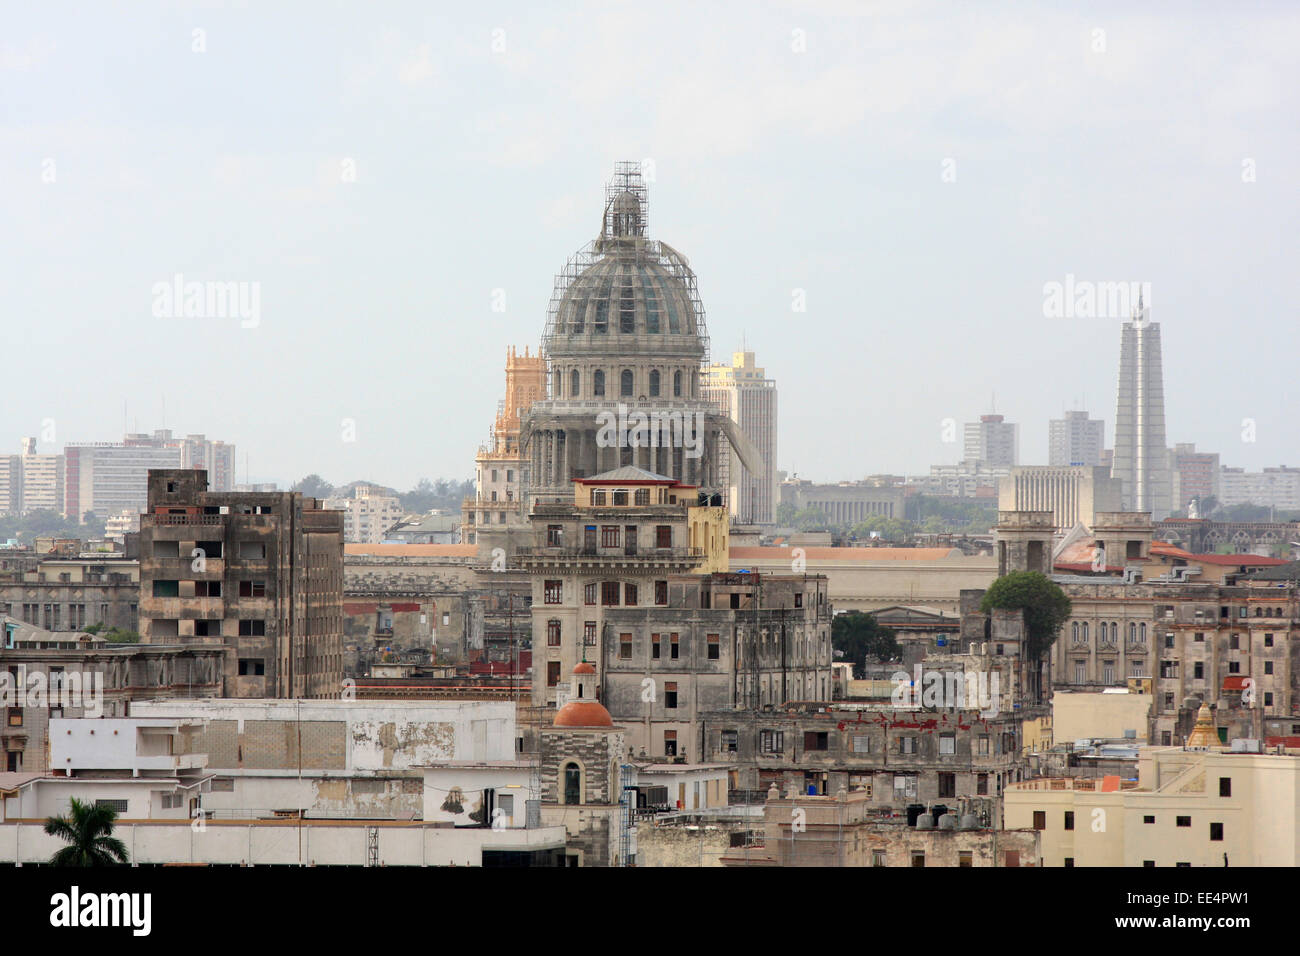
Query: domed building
[625, 345]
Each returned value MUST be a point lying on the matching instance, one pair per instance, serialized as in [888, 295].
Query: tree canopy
[88, 830]
[1045, 605]
[858, 636]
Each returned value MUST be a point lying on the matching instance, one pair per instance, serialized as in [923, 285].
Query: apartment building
[262, 573]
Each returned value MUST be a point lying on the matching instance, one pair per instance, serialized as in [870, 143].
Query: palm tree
[88, 829]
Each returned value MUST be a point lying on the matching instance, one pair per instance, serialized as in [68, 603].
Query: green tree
[1045, 605]
[314, 486]
[88, 829]
[117, 635]
[859, 636]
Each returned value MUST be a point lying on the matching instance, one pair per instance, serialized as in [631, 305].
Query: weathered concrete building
[260, 572]
[62, 592]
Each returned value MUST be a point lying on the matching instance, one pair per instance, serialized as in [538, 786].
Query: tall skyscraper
[42, 479]
[1075, 439]
[992, 441]
[1141, 456]
[747, 396]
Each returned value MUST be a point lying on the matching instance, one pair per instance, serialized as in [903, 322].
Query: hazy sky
[920, 171]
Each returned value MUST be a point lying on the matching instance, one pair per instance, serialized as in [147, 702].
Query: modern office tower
[42, 480]
[111, 477]
[747, 396]
[625, 344]
[1195, 475]
[501, 466]
[1141, 456]
[993, 441]
[261, 574]
[1075, 439]
[1074, 494]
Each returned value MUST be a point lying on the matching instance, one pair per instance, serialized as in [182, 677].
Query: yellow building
[1187, 808]
[1100, 716]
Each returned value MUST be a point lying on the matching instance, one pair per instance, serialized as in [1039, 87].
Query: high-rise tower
[1141, 459]
[747, 396]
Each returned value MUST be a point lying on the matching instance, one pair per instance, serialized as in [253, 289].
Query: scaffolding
[623, 240]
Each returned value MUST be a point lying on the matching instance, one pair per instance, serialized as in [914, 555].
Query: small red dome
[584, 668]
[583, 713]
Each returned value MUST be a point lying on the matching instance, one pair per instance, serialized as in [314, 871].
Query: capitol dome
[625, 295]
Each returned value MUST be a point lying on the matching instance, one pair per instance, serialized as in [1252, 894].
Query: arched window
[654, 382]
[575, 383]
[1084, 630]
[1132, 631]
[677, 384]
[625, 382]
[1074, 631]
[598, 383]
[572, 784]
[1142, 631]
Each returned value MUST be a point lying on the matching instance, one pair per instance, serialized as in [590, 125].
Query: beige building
[747, 396]
[1074, 494]
[42, 480]
[1112, 714]
[1187, 808]
[367, 514]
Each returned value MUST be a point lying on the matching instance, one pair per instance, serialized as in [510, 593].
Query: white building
[1075, 439]
[1273, 487]
[368, 514]
[747, 396]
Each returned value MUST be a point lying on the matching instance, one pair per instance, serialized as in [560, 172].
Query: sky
[874, 197]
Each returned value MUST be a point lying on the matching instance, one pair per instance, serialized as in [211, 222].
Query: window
[255, 589]
[1069, 819]
[207, 589]
[1183, 821]
[1268, 667]
[981, 784]
[1198, 671]
[609, 593]
[670, 695]
[252, 628]
[673, 647]
[918, 858]
[609, 536]
[625, 647]
[654, 646]
[117, 806]
[907, 745]
[555, 535]
[252, 550]
[677, 384]
[572, 784]
[1268, 640]
[207, 628]
[1149, 818]
[661, 593]
[664, 536]
[1216, 832]
[1268, 698]
[629, 595]
[552, 673]
[1225, 786]
[1149, 863]
[552, 633]
[1068, 862]
[15, 717]
[947, 744]
[598, 383]
[1040, 819]
[552, 591]
[861, 744]
[252, 667]
[625, 383]
[210, 549]
[1012, 857]
[771, 741]
[728, 741]
[983, 744]
[712, 642]
[815, 740]
[947, 785]
[798, 599]
[166, 589]
[589, 633]
[620, 499]
[1232, 642]
[166, 549]
[589, 593]
[598, 498]
[877, 857]
[670, 744]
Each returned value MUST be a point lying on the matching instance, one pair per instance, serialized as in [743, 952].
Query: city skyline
[873, 219]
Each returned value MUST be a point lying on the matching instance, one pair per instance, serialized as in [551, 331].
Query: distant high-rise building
[1271, 488]
[110, 477]
[993, 441]
[1195, 475]
[42, 480]
[367, 514]
[747, 396]
[1075, 439]
[1141, 456]
[215, 457]
[1074, 494]
[11, 484]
